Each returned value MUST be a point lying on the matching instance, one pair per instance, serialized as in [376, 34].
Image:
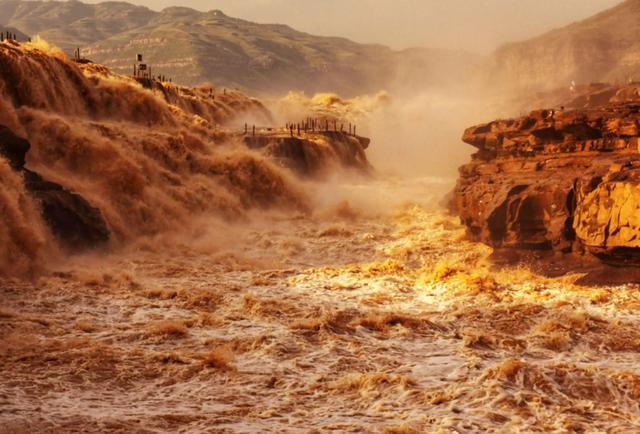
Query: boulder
[72, 219]
[13, 148]
[74, 222]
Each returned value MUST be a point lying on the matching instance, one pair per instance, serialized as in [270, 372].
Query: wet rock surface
[313, 153]
[72, 219]
[556, 180]
[13, 148]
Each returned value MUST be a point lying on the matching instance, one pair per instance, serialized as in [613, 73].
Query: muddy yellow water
[346, 322]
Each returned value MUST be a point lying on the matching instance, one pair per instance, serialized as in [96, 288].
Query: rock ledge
[556, 180]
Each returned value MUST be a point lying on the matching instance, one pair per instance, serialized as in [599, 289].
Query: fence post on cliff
[291, 129]
[254, 131]
[298, 129]
[246, 128]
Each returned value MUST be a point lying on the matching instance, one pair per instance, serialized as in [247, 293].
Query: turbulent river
[359, 318]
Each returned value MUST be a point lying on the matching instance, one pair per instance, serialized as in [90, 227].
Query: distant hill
[210, 46]
[605, 47]
[194, 47]
[72, 23]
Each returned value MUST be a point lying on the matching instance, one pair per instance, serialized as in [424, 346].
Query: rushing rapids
[238, 295]
[345, 321]
[149, 156]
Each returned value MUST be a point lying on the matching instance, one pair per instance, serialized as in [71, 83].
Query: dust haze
[475, 26]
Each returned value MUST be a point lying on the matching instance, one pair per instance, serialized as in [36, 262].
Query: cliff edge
[556, 180]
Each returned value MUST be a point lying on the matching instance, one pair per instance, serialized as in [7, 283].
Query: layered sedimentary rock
[559, 180]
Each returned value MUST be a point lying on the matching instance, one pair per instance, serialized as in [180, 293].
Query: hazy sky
[477, 25]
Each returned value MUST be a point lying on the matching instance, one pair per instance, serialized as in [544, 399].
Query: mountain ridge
[195, 47]
[603, 47]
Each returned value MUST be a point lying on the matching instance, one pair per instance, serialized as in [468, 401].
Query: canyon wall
[556, 180]
[601, 48]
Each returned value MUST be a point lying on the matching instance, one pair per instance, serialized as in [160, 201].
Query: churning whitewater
[235, 294]
[344, 321]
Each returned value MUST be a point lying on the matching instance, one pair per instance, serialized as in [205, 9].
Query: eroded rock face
[314, 153]
[567, 181]
[74, 222]
[608, 217]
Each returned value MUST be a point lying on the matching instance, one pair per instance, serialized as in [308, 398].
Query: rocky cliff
[561, 180]
[603, 47]
[313, 153]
